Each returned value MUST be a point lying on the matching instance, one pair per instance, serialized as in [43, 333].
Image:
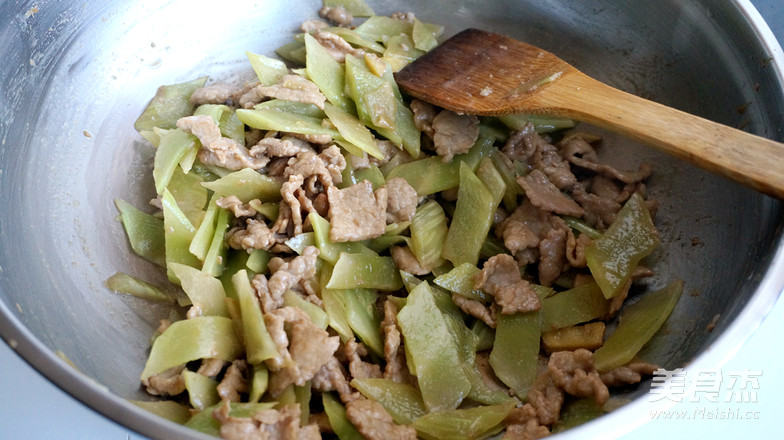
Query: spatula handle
[751, 160]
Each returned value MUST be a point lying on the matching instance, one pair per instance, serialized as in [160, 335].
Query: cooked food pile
[355, 263]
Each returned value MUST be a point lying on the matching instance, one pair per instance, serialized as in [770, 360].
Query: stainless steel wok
[75, 75]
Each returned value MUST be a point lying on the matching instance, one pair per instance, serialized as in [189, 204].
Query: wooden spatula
[483, 73]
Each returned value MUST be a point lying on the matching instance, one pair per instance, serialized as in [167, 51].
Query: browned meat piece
[213, 94]
[402, 200]
[546, 196]
[546, 398]
[406, 261]
[396, 368]
[358, 368]
[267, 424]
[357, 213]
[289, 88]
[628, 374]
[454, 134]
[500, 277]
[285, 275]
[552, 252]
[475, 309]
[210, 367]
[573, 371]
[332, 377]
[324, 168]
[303, 350]
[517, 236]
[575, 249]
[285, 146]
[234, 381]
[337, 15]
[424, 113]
[255, 235]
[599, 212]
[308, 26]
[216, 149]
[617, 301]
[522, 424]
[235, 205]
[166, 383]
[486, 372]
[375, 423]
[527, 145]
[577, 150]
[337, 47]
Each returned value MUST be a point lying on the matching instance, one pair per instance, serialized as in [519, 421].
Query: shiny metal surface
[75, 76]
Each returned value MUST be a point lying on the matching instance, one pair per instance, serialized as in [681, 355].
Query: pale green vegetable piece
[353, 130]
[202, 390]
[200, 244]
[381, 28]
[365, 270]
[124, 283]
[317, 315]
[433, 351]
[357, 8]
[428, 232]
[173, 146]
[247, 184]
[214, 261]
[327, 74]
[516, 350]
[461, 281]
[258, 382]
[145, 232]
[425, 35]
[356, 39]
[192, 339]
[203, 421]
[171, 102]
[299, 242]
[300, 108]
[401, 51]
[268, 70]
[336, 413]
[266, 119]
[179, 233]
[402, 401]
[257, 260]
[637, 325]
[190, 195]
[259, 345]
[293, 51]
[493, 180]
[205, 292]
[542, 124]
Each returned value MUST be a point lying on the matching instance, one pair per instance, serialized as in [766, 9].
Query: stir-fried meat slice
[402, 200]
[617, 301]
[546, 196]
[235, 205]
[517, 236]
[337, 14]
[332, 377]
[454, 134]
[628, 374]
[395, 368]
[303, 350]
[357, 213]
[573, 371]
[285, 275]
[546, 398]
[211, 367]
[166, 383]
[487, 373]
[255, 235]
[285, 146]
[522, 424]
[289, 88]
[358, 368]
[577, 150]
[323, 168]
[500, 277]
[216, 149]
[528, 146]
[598, 211]
[424, 113]
[308, 26]
[375, 423]
[552, 252]
[575, 248]
[219, 93]
[267, 424]
[475, 309]
[406, 261]
[337, 47]
[235, 381]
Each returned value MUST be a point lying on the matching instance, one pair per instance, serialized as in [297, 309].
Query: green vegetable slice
[516, 350]
[170, 103]
[464, 424]
[124, 283]
[402, 401]
[145, 232]
[247, 184]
